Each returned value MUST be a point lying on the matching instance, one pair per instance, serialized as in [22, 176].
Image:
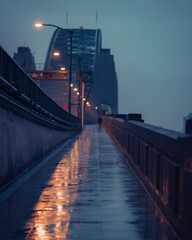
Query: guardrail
[162, 159]
[12, 76]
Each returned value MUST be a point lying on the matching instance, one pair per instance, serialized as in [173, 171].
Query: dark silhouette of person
[99, 120]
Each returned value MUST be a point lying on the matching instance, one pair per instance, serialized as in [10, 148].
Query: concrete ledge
[162, 159]
[25, 138]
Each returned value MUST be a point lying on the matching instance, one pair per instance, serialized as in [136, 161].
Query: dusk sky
[151, 41]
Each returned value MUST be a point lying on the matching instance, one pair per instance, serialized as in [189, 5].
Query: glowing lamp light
[78, 93]
[65, 107]
[84, 99]
[96, 107]
[56, 54]
[62, 69]
[88, 104]
[38, 25]
[75, 89]
[71, 84]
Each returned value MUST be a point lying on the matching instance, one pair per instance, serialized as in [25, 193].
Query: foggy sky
[151, 41]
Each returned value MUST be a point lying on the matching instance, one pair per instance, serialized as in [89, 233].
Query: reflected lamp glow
[53, 210]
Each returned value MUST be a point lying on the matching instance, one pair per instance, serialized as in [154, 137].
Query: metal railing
[15, 76]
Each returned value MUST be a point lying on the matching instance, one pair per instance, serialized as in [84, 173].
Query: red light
[80, 26]
[65, 107]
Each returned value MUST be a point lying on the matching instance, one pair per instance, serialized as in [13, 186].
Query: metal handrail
[14, 75]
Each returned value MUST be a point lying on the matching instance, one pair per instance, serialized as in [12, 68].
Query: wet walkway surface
[86, 191]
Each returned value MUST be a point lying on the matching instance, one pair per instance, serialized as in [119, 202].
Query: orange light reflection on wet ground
[52, 213]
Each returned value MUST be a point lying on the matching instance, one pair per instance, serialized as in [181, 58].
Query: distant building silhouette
[24, 58]
[188, 124]
[86, 47]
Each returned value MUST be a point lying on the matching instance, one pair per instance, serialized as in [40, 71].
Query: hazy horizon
[151, 42]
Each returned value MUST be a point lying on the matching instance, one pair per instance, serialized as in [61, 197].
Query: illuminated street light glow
[38, 25]
[96, 107]
[84, 99]
[56, 53]
[62, 69]
[71, 84]
[78, 93]
[75, 89]
[88, 104]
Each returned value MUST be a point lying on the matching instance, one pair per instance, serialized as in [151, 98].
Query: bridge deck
[85, 191]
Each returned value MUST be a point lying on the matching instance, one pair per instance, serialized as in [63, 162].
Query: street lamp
[40, 25]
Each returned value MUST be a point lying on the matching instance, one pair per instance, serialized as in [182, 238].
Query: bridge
[122, 180]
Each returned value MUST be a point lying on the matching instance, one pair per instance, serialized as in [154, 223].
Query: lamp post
[81, 112]
[82, 102]
[40, 25]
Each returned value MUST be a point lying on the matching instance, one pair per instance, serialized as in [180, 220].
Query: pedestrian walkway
[86, 191]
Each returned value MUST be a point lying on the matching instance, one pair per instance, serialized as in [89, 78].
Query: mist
[151, 41]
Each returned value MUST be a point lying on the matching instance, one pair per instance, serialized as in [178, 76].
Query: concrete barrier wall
[24, 139]
[162, 159]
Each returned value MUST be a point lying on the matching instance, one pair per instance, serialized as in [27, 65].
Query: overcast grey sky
[151, 41]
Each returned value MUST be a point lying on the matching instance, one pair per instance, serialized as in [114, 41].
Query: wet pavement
[86, 191]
